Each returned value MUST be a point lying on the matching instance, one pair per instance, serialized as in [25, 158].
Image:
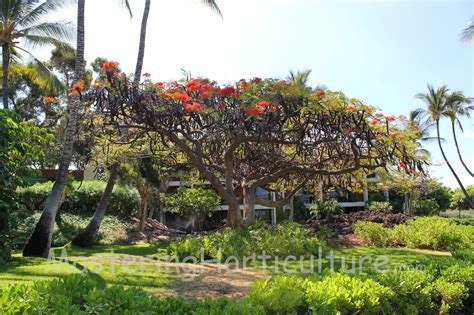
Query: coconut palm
[456, 107]
[437, 104]
[299, 78]
[468, 33]
[141, 47]
[20, 21]
[39, 242]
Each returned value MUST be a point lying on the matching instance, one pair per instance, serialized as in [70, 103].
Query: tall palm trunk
[39, 242]
[471, 204]
[453, 127]
[86, 237]
[5, 64]
[141, 47]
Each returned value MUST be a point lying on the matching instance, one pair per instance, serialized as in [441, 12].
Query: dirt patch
[154, 231]
[219, 280]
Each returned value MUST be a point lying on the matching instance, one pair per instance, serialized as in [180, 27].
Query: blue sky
[382, 52]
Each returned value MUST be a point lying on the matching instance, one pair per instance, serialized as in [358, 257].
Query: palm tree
[454, 110]
[468, 33]
[141, 46]
[39, 242]
[299, 78]
[21, 20]
[437, 102]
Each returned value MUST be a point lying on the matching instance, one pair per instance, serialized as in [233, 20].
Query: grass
[456, 213]
[126, 265]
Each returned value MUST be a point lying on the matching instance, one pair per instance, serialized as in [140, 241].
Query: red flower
[393, 135]
[183, 97]
[374, 122]
[403, 164]
[389, 118]
[109, 65]
[49, 99]
[351, 108]
[273, 109]
[78, 87]
[147, 75]
[228, 90]
[320, 93]
[205, 95]
[263, 104]
[379, 115]
[254, 111]
[256, 80]
[193, 85]
[159, 84]
[194, 107]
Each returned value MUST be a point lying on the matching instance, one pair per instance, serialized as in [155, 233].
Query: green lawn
[126, 265]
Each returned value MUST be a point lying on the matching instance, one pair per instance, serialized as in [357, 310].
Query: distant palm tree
[422, 129]
[20, 20]
[437, 104]
[299, 78]
[141, 47]
[468, 33]
[456, 108]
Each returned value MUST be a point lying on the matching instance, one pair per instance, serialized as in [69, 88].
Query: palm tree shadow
[95, 276]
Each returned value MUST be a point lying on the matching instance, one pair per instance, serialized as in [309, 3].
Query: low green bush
[382, 206]
[82, 198]
[112, 229]
[466, 254]
[325, 209]
[79, 294]
[281, 240]
[446, 287]
[373, 233]
[424, 232]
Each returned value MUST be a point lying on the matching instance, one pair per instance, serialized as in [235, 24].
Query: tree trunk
[39, 242]
[248, 198]
[469, 199]
[407, 207]
[234, 216]
[5, 64]
[141, 47]
[292, 209]
[86, 237]
[143, 189]
[453, 126]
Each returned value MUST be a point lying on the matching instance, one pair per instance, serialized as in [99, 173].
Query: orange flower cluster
[78, 87]
[147, 75]
[320, 93]
[351, 108]
[254, 111]
[109, 65]
[389, 118]
[49, 99]
[194, 107]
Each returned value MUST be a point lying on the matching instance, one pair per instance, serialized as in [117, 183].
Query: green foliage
[466, 254]
[424, 232]
[426, 206]
[382, 206]
[440, 287]
[325, 209]
[373, 233]
[192, 201]
[83, 198]
[301, 212]
[79, 294]
[112, 230]
[282, 240]
[459, 200]
[280, 295]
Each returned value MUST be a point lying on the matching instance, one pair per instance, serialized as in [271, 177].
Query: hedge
[82, 198]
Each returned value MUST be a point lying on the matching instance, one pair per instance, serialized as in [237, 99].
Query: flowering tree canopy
[255, 133]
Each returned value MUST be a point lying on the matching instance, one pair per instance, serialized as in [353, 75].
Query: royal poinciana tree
[252, 134]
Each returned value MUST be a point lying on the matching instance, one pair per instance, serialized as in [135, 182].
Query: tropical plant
[325, 209]
[468, 33]
[39, 242]
[299, 78]
[20, 20]
[438, 103]
[457, 107]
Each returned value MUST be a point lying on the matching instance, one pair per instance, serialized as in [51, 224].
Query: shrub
[382, 206]
[83, 198]
[301, 212]
[427, 206]
[434, 233]
[280, 295]
[466, 254]
[373, 233]
[112, 230]
[281, 240]
[326, 209]
[78, 294]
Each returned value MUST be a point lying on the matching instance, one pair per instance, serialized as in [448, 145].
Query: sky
[382, 52]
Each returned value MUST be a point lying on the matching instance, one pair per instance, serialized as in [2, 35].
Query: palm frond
[33, 41]
[127, 5]
[35, 14]
[467, 34]
[45, 73]
[56, 30]
[213, 6]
